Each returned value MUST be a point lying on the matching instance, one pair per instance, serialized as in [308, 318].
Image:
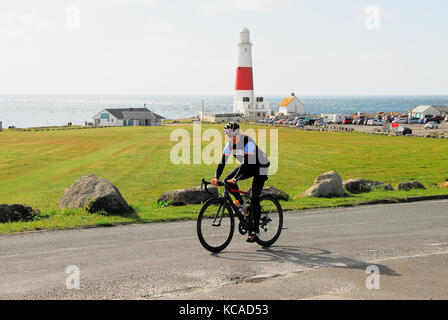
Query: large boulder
[327, 185]
[362, 185]
[182, 197]
[196, 195]
[94, 194]
[406, 186]
[16, 213]
[274, 192]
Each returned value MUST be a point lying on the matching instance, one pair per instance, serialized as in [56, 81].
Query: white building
[291, 106]
[245, 101]
[221, 117]
[422, 111]
[127, 117]
[333, 118]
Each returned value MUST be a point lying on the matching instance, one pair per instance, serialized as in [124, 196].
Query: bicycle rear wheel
[215, 225]
[271, 221]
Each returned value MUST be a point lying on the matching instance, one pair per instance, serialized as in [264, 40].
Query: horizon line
[199, 95]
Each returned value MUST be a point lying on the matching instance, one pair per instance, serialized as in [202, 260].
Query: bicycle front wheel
[215, 225]
[271, 221]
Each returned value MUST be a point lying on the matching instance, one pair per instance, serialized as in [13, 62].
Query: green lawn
[35, 167]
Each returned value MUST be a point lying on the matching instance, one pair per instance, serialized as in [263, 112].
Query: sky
[310, 47]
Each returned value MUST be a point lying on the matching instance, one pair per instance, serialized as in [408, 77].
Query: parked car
[366, 121]
[300, 124]
[359, 121]
[431, 125]
[388, 118]
[403, 130]
[309, 122]
[413, 120]
[377, 123]
[428, 120]
[400, 120]
[347, 121]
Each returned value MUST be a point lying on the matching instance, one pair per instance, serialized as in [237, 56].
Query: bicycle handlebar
[206, 183]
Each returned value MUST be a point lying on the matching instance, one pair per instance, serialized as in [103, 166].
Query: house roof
[286, 101]
[441, 108]
[424, 108]
[134, 114]
[421, 108]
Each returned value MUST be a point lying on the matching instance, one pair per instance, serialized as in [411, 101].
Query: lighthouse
[245, 101]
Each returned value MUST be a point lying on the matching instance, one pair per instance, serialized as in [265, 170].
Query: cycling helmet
[232, 129]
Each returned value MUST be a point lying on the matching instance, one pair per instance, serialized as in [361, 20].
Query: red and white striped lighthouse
[244, 84]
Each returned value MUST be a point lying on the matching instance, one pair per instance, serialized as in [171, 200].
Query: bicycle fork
[220, 216]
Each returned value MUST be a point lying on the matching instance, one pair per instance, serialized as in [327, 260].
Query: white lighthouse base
[252, 110]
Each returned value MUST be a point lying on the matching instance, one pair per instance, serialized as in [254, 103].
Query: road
[321, 254]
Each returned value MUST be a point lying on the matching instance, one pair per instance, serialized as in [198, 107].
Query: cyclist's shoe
[253, 237]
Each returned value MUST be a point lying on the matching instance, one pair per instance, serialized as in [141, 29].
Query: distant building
[127, 117]
[291, 106]
[423, 111]
[221, 117]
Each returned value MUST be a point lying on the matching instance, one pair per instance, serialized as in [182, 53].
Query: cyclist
[254, 163]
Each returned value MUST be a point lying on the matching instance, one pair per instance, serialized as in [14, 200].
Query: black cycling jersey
[254, 161]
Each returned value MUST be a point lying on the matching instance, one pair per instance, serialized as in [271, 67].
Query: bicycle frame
[226, 197]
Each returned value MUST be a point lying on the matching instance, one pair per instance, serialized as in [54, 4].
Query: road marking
[437, 244]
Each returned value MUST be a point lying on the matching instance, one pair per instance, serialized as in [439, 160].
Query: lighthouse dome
[245, 35]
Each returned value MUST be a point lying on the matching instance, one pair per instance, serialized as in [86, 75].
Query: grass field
[36, 167]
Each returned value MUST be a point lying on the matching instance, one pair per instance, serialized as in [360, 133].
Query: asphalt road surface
[321, 254]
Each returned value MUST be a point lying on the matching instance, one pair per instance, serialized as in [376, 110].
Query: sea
[56, 110]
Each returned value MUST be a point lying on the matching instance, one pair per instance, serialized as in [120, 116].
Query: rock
[196, 195]
[409, 186]
[94, 194]
[361, 185]
[16, 213]
[182, 197]
[327, 185]
[276, 193]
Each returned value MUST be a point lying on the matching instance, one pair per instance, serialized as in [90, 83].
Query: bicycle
[216, 220]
